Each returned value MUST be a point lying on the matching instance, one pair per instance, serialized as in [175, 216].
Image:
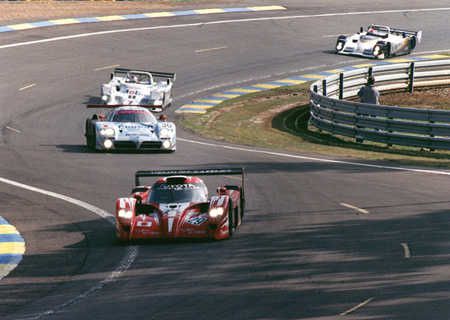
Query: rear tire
[242, 206]
[412, 43]
[231, 222]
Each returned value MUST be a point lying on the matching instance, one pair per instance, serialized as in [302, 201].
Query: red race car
[177, 206]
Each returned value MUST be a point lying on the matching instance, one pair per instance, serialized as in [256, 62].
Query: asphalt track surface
[319, 241]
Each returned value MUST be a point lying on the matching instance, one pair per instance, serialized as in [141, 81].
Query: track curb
[12, 247]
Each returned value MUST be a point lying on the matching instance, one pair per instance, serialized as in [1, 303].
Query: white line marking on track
[124, 265]
[362, 304]
[406, 251]
[210, 49]
[293, 156]
[100, 212]
[323, 15]
[358, 210]
[107, 67]
[28, 86]
[12, 129]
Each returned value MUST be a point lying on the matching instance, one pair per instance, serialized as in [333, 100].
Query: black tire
[412, 43]
[242, 206]
[90, 135]
[387, 51]
[231, 221]
[91, 141]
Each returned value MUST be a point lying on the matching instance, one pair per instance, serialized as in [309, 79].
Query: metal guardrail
[423, 128]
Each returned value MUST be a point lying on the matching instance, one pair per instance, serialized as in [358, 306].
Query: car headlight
[126, 214]
[164, 133]
[108, 144]
[107, 132]
[215, 212]
[166, 144]
[376, 50]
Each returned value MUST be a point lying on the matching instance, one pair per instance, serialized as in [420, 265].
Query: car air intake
[124, 145]
[151, 145]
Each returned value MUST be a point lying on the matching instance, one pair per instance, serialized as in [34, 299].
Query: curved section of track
[301, 253]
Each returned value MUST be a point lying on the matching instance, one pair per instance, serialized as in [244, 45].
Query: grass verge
[278, 119]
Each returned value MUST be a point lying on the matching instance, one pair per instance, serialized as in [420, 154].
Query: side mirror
[111, 76]
[117, 88]
[361, 29]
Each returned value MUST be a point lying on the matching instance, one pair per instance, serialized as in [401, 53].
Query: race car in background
[152, 89]
[177, 206]
[129, 128]
[379, 42]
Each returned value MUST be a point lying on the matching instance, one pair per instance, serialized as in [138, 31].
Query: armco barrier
[423, 128]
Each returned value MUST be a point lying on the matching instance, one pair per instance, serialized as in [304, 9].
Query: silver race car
[151, 89]
[130, 128]
[378, 42]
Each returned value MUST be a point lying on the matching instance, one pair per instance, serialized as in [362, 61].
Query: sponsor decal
[183, 186]
[144, 224]
[197, 220]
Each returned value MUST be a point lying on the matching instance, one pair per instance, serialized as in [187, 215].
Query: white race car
[130, 128]
[149, 89]
[378, 42]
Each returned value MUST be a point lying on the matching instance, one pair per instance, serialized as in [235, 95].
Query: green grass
[278, 119]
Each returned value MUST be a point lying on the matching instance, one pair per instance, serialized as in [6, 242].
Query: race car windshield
[177, 193]
[377, 31]
[141, 78]
[133, 116]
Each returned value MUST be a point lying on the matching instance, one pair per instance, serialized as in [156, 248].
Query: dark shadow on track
[329, 267]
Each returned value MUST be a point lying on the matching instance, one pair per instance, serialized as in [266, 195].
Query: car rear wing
[156, 74]
[113, 106]
[190, 172]
[417, 34]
